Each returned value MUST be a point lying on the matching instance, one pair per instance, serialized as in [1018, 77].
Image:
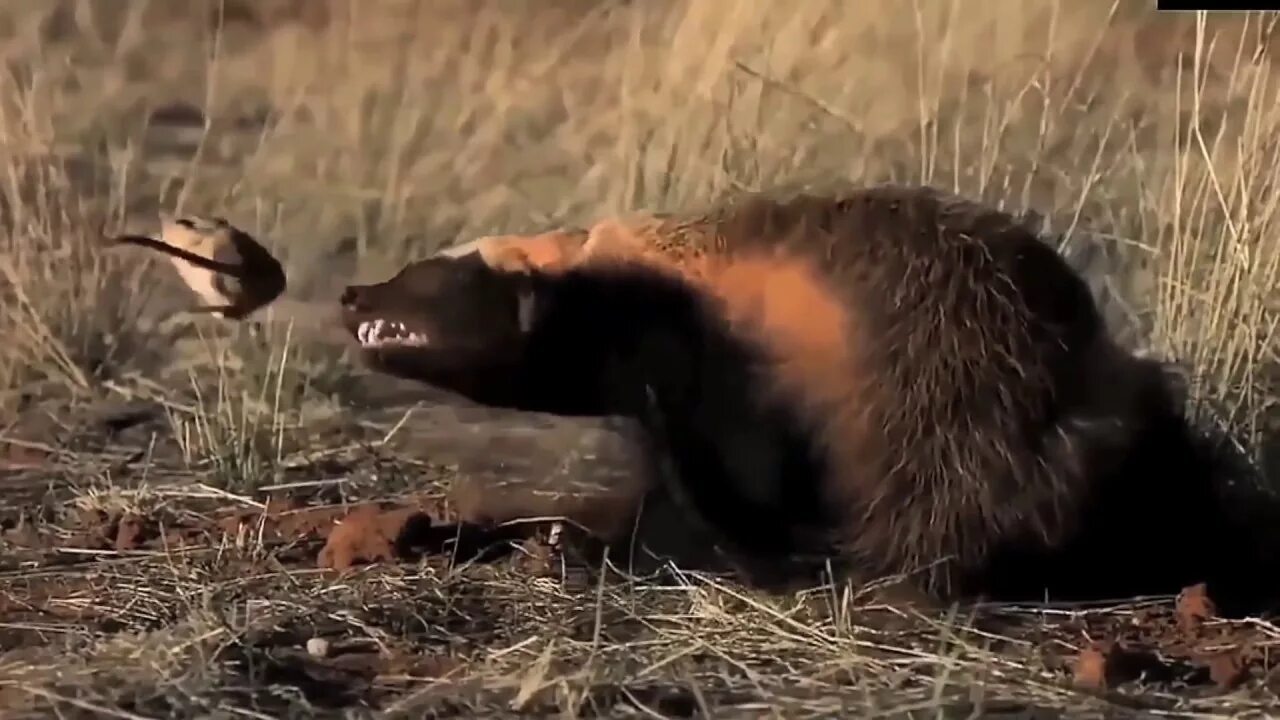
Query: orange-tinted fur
[544, 251]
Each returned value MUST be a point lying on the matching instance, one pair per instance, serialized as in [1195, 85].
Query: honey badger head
[455, 307]
[451, 322]
[603, 339]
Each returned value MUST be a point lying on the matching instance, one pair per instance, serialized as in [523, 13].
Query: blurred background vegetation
[352, 136]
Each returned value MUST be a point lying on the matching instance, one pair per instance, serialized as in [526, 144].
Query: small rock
[318, 647]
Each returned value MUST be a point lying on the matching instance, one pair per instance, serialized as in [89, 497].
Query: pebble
[318, 647]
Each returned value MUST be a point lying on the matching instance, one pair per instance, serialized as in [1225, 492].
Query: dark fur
[602, 340]
[1001, 428]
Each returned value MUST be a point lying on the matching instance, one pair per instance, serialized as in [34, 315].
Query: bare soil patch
[376, 579]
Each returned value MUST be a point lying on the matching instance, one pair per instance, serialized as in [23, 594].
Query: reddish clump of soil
[365, 533]
[131, 532]
[1228, 670]
[371, 534]
[1194, 607]
[1166, 644]
[16, 457]
[1091, 667]
[368, 532]
[97, 529]
[1107, 664]
[123, 531]
[283, 519]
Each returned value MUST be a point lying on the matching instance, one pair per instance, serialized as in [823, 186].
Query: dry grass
[405, 126]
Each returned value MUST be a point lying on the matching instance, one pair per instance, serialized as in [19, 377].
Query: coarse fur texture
[223, 265]
[911, 378]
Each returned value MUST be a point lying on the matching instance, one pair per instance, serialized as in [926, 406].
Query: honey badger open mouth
[384, 333]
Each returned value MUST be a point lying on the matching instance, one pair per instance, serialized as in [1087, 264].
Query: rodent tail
[232, 269]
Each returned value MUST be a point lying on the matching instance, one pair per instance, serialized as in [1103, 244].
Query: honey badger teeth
[381, 333]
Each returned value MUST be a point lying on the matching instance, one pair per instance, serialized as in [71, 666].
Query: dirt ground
[351, 586]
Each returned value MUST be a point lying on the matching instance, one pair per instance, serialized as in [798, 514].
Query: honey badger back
[963, 392]
[916, 374]
[982, 396]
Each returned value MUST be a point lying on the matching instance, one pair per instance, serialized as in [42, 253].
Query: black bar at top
[1217, 5]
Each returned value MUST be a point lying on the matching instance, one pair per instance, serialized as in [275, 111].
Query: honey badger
[906, 376]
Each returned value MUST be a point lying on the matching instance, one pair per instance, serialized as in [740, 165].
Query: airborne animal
[223, 265]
